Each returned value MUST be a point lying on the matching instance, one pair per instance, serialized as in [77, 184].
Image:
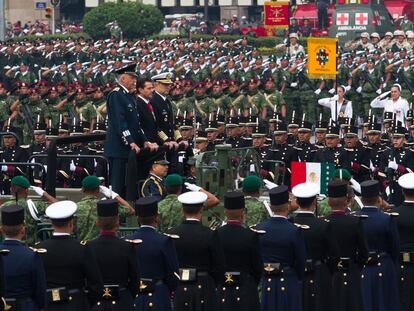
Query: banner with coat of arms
[322, 58]
[276, 14]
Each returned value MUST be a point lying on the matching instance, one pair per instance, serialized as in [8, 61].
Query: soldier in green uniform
[219, 100]
[86, 228]
[184, 29]
[199, 103]
[274, 99]
[370, 85]
[24, 74]
[195, 74]
[33, 211]
[85, 111]
[76, 74]
[4, 107]
[237, 100]
[288, 85]
[272, 71]
[255, 211]
[255, 99]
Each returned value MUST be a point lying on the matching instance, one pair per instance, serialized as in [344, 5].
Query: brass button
[185, 289]
[282, 288]
[268, 289]
[150, 304]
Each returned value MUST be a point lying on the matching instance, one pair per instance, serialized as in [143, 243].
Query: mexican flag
[318, 173]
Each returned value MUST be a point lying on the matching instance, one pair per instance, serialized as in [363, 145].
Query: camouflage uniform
[255, 212]
[39, 111]
[170, 211]
[369, 91]
[256, 101]
[4, 109]
[30, 223]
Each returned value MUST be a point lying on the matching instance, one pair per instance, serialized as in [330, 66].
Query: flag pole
[336, 82]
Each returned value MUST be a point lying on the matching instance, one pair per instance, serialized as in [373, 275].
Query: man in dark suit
[283, 255]
[379, 282]
[124, 129]
[243, 262]
[23, 267]
[322, 252]
[349, 235]
[156, 257]
[199, 256]
[70, 266]
[116, 260]
[405, 224]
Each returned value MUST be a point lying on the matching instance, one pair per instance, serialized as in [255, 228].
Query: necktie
[150, 107]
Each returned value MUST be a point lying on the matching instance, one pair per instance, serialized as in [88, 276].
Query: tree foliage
[136, 20]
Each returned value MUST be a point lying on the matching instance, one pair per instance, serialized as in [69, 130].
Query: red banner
[276, 14]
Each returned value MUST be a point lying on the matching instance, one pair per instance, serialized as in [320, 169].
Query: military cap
[39, 128]
[350, 131]
[300, 55]
[294, 122]
[76, 130]
[398, 131]
[201, 135]
[374, 128]
[370, 188]
[128, 69]
[12, 215]
[332, 131]
[399, 33]
[279, 195]
[234, 200]
[342, 173]
[198, 85]
[107, 208]
[286, 57]
[345, 121]
[259, 131]
[321, 126]
[212, 126]
[192, 198]
[9, 128]
[337, 189]
[164, 78]
[173, 180]
[99, 127]
[406, 181]
[221, 119]
[160, 160]
[52, 132]
[370, 60]
[276, 117]
[61, 210]
[306, 190]
[91, 182]
[233, 121]
[233, 83]
[186, 124]
[146, 207]
[375, 35]
[305, 126]
[252, 184]
[293, 35]
[280, 128]
[20, 181]
[388, 33]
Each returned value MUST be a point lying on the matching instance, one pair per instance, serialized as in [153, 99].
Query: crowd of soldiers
[178, 99]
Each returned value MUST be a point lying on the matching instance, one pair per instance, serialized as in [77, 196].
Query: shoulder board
[39, 250]
[135, 241]
[172, 236]
[24, 146]
[350, 149]
[320, 147]
[297, 148]
[327, 220]
[91, 149]
[361, 216]
[382, 174]
[116, 89]
[302, 226]
[4, 252]
[314, 150]
[253, 228]
[83, 242]
[366, 147]
[291, 145]
[392, 214]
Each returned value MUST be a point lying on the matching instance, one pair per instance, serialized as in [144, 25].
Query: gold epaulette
[39, 250]
[305, 227]
[162, 135]
[135, 241]
[253, 228]
[392, 214]
[116, 89]
[172, 236]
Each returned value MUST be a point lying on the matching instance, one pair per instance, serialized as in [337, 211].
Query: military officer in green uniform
[255, 211]
[274, 99]
[370, 85]
[255, 99]
[85, 111]
[34, 211]
[86, 228]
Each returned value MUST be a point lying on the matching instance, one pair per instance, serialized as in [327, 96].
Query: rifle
[368, 79]
[26, 112]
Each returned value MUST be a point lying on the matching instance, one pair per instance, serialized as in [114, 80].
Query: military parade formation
[163, 104]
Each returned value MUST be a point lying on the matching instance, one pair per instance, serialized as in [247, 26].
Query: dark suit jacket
[148, 121]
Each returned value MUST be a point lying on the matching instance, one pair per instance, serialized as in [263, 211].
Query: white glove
[335, 97]
[72, 166]
[4, 168]
[383, 95]
[347, 88]
[294, 84]
[355, 185]
[379, 91]
[387, 191]
[45, 166]
[393, 165]
[359, 89]
[412, 94]
[318, 91]
[192, 187]
[371, 166]
[39, 191]
[269, 185]
[107, 192]
[331, 91]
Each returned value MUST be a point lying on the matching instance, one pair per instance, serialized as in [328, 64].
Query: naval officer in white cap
[69, 264]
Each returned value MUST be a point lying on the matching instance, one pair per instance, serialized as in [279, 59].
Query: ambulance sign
[361, 19]
[342, 19]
